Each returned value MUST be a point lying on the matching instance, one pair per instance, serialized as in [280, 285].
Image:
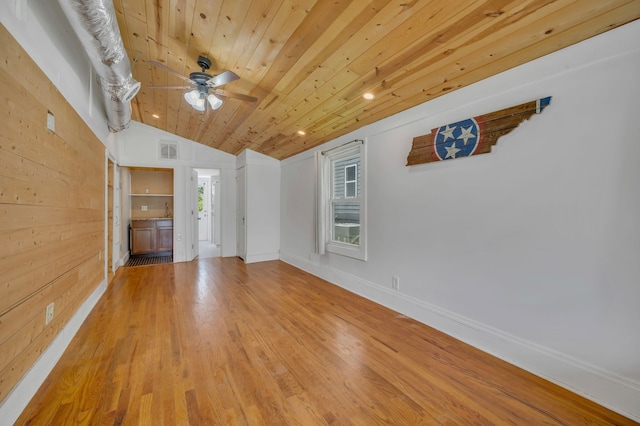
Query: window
[341, 201]
[345, 200]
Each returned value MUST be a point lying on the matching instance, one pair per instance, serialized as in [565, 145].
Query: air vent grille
[168, 150]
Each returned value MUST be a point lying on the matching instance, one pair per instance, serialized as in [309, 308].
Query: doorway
[208, 213]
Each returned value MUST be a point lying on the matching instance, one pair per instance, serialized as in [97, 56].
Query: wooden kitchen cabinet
[151, 236]
[164, 235]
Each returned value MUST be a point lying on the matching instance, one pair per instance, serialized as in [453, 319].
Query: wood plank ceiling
[309, 62]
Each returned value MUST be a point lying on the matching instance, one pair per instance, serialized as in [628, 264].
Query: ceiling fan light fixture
[214, 101]
[192, 97]
[201, 83]
[199, 105]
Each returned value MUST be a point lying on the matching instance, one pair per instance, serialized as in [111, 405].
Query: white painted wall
[531, 252]
[138, 146]
[262, 215]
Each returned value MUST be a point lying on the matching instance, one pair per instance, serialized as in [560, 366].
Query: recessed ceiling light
[368, 96]
[155, 115]
[301, 132]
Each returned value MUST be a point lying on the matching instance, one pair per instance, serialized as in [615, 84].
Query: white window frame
[329, 157]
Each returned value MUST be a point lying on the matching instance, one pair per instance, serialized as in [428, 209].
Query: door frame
[194, 214]
[242, 212]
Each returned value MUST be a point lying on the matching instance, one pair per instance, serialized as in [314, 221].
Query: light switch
[144, 208]
[51, 121]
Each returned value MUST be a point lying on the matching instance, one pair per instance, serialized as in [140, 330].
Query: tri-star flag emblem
[457, 140]
[471, 136]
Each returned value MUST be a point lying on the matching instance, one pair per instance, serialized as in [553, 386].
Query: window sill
[348, 250]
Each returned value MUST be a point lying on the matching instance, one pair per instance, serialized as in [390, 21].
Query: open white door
[194, 214]
[204, 206]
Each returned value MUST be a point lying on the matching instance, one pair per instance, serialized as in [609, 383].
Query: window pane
[350, 180]
[344, 171]
[346, 222]
[351, 173]
[350, 189]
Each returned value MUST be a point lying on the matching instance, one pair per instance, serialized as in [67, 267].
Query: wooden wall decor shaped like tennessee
[471, 136]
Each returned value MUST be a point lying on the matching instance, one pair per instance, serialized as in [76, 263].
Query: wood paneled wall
[52, 212]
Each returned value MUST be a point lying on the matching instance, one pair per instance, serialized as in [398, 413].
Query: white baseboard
[19, 397]
[262, 257]
[607, 389]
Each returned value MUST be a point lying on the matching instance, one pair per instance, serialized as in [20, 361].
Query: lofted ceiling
[310, 61]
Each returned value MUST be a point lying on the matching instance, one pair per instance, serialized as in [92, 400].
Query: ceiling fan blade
[169, 70]
[170, 87]
[222, 78]
[235, 95]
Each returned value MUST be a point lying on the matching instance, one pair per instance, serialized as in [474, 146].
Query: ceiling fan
[201, 82]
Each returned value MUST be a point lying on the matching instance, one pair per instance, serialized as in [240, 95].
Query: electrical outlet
[48, 313]
[395, 283]
[144, 208]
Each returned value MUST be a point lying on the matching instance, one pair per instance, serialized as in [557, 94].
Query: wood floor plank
[216, 341]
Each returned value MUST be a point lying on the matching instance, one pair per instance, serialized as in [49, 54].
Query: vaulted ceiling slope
[309, 62]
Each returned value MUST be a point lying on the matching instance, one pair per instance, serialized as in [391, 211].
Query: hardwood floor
[215, 341]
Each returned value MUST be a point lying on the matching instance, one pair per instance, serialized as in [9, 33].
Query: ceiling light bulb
[192, 97]
[198, 105]
[214, 101]
[368, 96]
[301, 132]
